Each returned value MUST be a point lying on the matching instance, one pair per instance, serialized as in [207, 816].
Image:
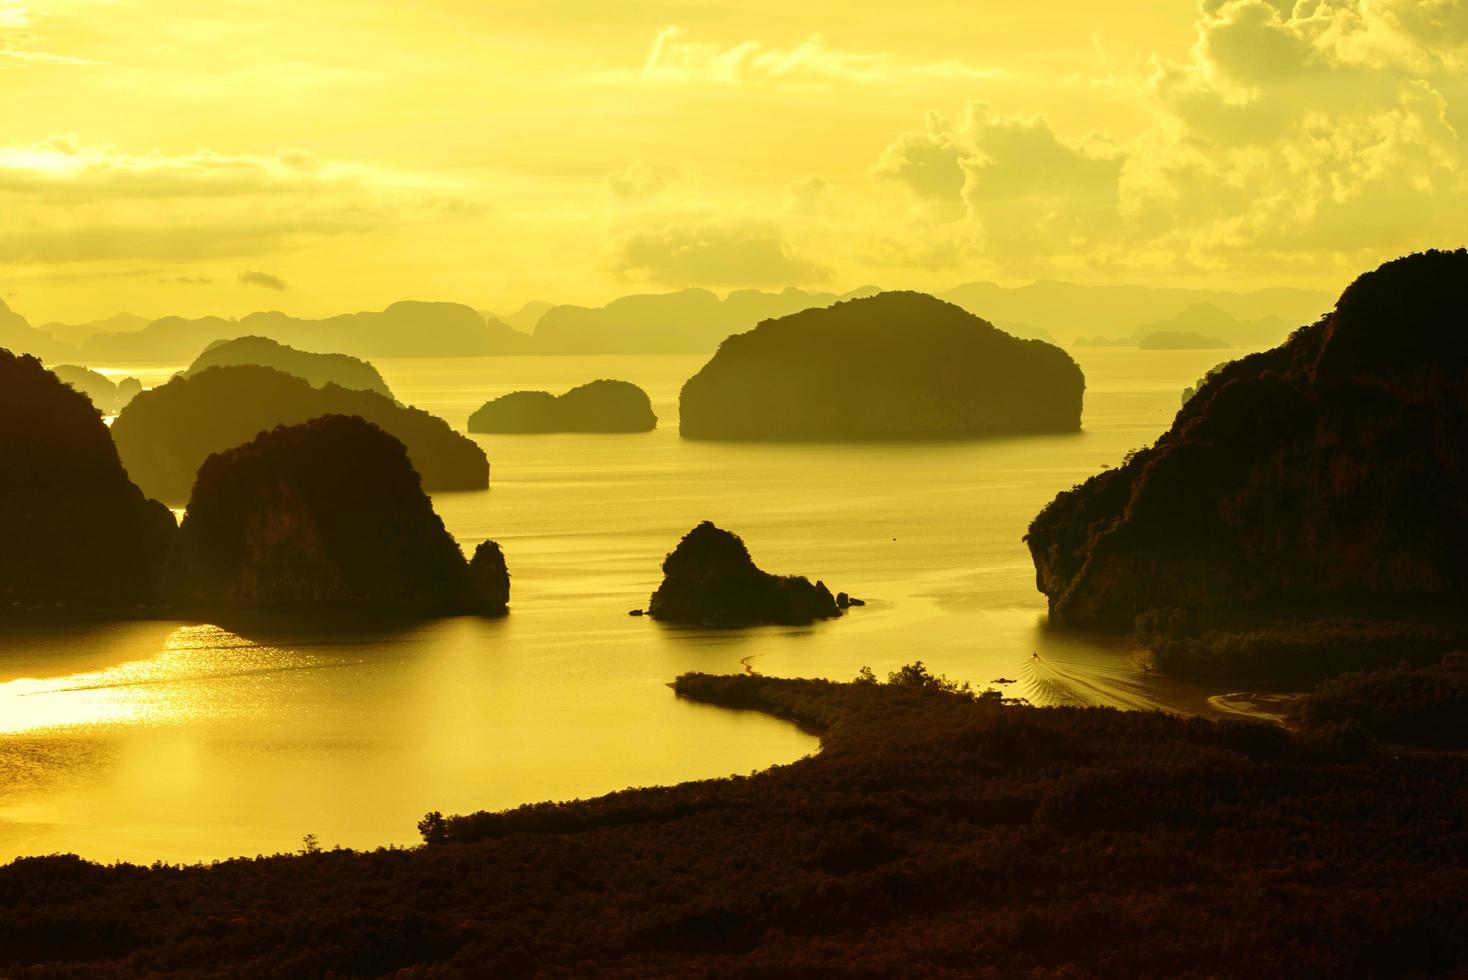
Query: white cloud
[68, 201]
[675, 58]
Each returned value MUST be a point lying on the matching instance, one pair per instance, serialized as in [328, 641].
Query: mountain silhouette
[319, 369]
[404, 329]
[168, 431]
[327, 513]
[598, 406]
[1332, 470]
[76, 531]
[894, 365]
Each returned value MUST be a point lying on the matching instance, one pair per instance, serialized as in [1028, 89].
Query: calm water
[186, 741]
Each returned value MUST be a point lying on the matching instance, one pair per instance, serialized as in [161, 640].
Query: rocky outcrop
[319, 369]
[710, 580]
[168, 431]
[890, 366]
[74, 530]
[600, 406]
[329, 513]
[1330, 472]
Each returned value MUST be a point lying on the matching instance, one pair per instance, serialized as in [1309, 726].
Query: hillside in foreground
[1328, 476]
[936, 835]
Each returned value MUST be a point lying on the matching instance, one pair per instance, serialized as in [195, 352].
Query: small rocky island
[1330, 473]
[710, 580]
[168, 431]
[325, 514]
[74, 530]
[319, 369]
[895, 365]
[600, 406]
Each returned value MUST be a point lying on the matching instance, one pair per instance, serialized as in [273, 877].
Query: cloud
[807, 197]
[20, 42]
[637, 181]
[262, 279]
[1311, 137]
[927, 163]
[710, 253]
[675, 58]
[70, 201]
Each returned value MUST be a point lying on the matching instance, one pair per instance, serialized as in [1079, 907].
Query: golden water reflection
[174, 685]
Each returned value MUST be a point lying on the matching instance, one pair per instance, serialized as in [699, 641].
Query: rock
[74, 530]
[854, 601]
[635, 612]
[893, 365]
[842, 600]
[318, 369]
[710, 579]
[325, 514]
[1330, 472]
[127, 390]
[168, 431]
[600, 406]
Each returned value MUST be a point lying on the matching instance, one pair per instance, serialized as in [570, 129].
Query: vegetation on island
[598, 406]
[165, 435]
[891, 366]
[1325, 480]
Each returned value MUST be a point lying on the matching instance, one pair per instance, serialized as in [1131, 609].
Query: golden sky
[194, 157]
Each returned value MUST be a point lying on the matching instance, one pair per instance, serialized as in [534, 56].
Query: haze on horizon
[165, 157]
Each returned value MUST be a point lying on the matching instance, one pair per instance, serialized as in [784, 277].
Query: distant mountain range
[689, 321]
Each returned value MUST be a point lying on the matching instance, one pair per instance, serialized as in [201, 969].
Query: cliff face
[73, 528]
[319, 369]
[893, 365]
[600, 406]
[327, 513]
[711, 580]
[1330, 471]
[168, 431]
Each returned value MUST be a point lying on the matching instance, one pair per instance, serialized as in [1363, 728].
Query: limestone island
[342, 370]
[710, 580]
[76, 532]
[891, 366]
[1179, 340]
[600, 406]
[325, 514]
[168, 431]
[108, 397]
[1327, 477]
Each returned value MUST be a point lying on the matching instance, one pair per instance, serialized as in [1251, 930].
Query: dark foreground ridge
[1328, 474]
[325, 514]
[74, 530]
[710, 580]
[166, 433]
[936, 835]
[894, 365]
[598, 406]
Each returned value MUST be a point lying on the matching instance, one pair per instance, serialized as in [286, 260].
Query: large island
[896, 365]
[327, 514]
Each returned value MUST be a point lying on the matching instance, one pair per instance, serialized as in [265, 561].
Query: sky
[216, 158]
